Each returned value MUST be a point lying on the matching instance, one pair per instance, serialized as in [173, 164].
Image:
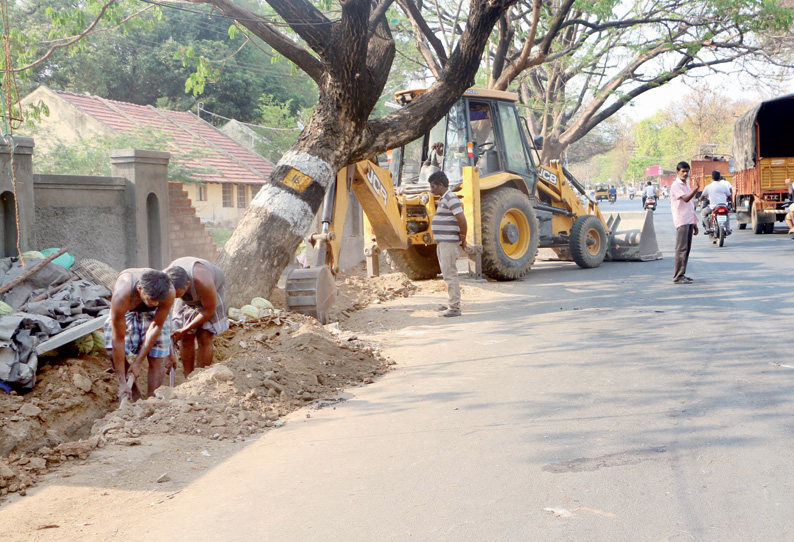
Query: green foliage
[92, 156]
[282, 127]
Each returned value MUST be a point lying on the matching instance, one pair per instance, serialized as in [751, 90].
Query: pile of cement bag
[33, 322]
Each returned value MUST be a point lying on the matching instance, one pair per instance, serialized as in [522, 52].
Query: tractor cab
[482, 129]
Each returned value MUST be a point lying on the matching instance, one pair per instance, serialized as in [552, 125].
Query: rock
[272, 393]
[165, 393]
[272, 415]
[129, 441]
[29, 410]
[5, 472]
[205, 453]
[138, 411]
[79, 447]
[273, 385]
[82, 382]
[163, 478]
[217, 421]
[38, 463]
[221, 373]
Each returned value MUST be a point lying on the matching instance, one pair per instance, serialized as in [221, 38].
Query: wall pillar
[23, 171]
[147, 205]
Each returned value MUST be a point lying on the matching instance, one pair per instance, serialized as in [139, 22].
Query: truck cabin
[482, 129]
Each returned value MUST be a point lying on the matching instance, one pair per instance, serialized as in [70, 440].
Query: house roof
[193, 142]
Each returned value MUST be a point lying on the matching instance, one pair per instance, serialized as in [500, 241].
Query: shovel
[130, 383]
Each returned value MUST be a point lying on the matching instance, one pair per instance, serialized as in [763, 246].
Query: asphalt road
[605, 404]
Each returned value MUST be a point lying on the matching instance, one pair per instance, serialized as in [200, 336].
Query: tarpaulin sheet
[774, 118]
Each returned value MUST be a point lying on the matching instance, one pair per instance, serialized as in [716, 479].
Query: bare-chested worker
[138, 324]
[199, 311]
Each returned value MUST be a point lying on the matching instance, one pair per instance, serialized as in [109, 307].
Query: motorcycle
[650, 203]
[718, 224]
[631, 195]
[612, 199]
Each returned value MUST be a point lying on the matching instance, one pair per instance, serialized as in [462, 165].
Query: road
[605, 404]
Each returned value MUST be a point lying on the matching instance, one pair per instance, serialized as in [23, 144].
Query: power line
[284, 24]
[201, 109]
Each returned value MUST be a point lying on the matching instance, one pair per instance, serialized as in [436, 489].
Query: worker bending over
[199, 311]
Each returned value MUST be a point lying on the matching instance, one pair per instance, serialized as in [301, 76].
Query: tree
[349, 58]
[576, 64]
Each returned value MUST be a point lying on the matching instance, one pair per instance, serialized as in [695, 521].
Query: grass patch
[220, 235]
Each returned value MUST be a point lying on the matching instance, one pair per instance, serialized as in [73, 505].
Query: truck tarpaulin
[775, 118]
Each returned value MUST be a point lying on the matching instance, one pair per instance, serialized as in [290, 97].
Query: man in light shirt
[684, 219]
[716, 193]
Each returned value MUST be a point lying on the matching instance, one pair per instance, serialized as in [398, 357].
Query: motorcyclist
[613, 193]
[650, 192]
[716, 193]
[632, 191]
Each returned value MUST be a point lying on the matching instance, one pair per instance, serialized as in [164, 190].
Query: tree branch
[416, 18]
[278, 41]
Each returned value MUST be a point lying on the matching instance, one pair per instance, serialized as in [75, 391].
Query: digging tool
[130, 384]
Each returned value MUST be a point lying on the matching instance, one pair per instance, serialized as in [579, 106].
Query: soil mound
[264, 369]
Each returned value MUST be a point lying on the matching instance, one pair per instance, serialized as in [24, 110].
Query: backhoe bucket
[311, 291]
[632, 238]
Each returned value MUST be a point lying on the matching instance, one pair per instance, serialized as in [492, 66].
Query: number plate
[722, 219]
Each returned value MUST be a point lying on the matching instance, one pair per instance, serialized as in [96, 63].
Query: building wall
[212, 210]
[21, 197]
[188, 235]
[65, 123]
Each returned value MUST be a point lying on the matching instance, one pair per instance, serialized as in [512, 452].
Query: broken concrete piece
[29, 410]
[163, 478]
[165, 393]
[6, 472]
[37, 463]
[82, 382]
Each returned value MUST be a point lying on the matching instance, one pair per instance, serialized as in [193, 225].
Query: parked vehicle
[763, 158]
[650, 203]
[718, 224]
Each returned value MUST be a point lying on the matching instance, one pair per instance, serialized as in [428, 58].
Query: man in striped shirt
[449, 232]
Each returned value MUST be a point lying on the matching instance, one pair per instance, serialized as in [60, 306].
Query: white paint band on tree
[285, 205]
[316, 168]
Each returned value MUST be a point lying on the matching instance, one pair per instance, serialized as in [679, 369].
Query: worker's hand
[135, 367]
[124, 390]
[438, 147]
[696, 229]
[462, 241]
[178, 335]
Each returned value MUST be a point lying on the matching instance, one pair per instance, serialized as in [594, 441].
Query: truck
[763, 158]
[702, 166]
[513, 205]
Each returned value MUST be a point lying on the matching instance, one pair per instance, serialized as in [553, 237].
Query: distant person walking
[684, 219]
[449, 232]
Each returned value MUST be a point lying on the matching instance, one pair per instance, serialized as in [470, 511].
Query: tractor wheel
[510, 234]
[418, 262]
[588, 242]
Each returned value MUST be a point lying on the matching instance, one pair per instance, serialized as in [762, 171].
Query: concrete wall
[22, 197]
[86, 214]
[146, 174]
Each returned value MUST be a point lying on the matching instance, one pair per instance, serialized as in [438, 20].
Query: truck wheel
[769, 227]
[758, 228]
[418, 262]
[510, 234]
[742, 225]
[588, 242]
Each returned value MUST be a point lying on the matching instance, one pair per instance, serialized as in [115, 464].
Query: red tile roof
[193, 142]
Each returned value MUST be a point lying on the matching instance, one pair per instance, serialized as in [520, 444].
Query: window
[227, 195]
[241, 203]
[514, 145]
[202, 192]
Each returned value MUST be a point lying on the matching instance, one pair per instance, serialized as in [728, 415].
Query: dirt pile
[264, 369]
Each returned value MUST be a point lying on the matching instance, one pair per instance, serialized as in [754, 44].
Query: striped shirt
[445, 225]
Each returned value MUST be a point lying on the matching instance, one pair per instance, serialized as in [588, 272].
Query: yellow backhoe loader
[513, 206]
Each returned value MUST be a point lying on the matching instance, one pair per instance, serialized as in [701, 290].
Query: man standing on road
[684, 219]
[449, 232]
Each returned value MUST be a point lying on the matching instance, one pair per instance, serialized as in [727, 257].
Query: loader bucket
[311, 291]
[632, 237]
